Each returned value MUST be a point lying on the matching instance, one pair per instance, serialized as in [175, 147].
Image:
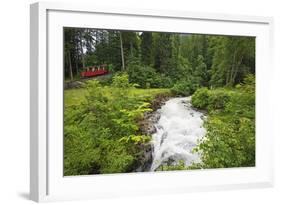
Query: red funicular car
[92, 71]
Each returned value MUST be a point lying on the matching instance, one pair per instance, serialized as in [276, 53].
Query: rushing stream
[178, 130]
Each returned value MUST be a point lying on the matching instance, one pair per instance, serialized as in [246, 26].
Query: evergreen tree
[233, 59]
[146, 48]
[163, 52]
[201, 72]
[101, 47]
[130, 44]
[114, 52]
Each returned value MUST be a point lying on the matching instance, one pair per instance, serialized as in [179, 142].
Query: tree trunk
[122, 52]
[77, 69]
[233, 64]
[70, 67]
[81, 47]
[237, 68]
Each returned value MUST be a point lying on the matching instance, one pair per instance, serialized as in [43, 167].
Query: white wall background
[14, 101]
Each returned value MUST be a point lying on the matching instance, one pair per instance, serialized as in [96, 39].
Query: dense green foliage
[230, 139]
[146, 48]
[101, 134]
[184, 87]
[200, 98]
[145, 76]
[161, 59]
[101, 120]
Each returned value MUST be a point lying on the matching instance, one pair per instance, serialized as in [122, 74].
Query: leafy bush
[146, 77]
[162, 81]
[136, 139]
[230, 138]
[121, 80]
[79, 153]
[102, 134]
[218, 99]
[184, 87]
[230, 142]
[241, 103]
[210, 99]
[142, 75]
[200, 99]
[115, 157]
[249, 80]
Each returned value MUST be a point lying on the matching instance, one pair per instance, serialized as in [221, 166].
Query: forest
[107, 119]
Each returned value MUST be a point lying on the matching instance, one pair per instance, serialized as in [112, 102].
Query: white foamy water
[178, 131]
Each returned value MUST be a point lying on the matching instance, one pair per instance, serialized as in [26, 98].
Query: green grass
[74, 96]
[77, 96]
[150, 92]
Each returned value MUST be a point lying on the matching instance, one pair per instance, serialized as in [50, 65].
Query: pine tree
[146, 48]
[201, 72]
[163, 52]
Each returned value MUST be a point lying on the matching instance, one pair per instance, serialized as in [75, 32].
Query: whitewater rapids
[177, 132]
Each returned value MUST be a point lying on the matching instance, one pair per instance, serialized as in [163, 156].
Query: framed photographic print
[127, 102]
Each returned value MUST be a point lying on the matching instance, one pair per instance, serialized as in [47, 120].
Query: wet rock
[150, 119]
[147, 127]
[159, 101]
[147, 124]
[145, 159]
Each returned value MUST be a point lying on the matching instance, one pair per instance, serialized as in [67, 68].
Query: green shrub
[210, 99]
[146, 77]
[80, 155]
[230, 138]
[115, 157]
[184, 88]
[162, 81]
[230, 142]
[136, 139]
[101, 135]
[121, 80]
[143, 76]
[218, 99]
[200, 99]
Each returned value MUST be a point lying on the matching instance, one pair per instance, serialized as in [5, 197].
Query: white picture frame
[47, 182]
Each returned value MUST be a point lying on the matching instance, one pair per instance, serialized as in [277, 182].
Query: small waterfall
[178, 130]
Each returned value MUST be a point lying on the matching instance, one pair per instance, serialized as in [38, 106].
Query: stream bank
[175, 127]
[147, 127]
